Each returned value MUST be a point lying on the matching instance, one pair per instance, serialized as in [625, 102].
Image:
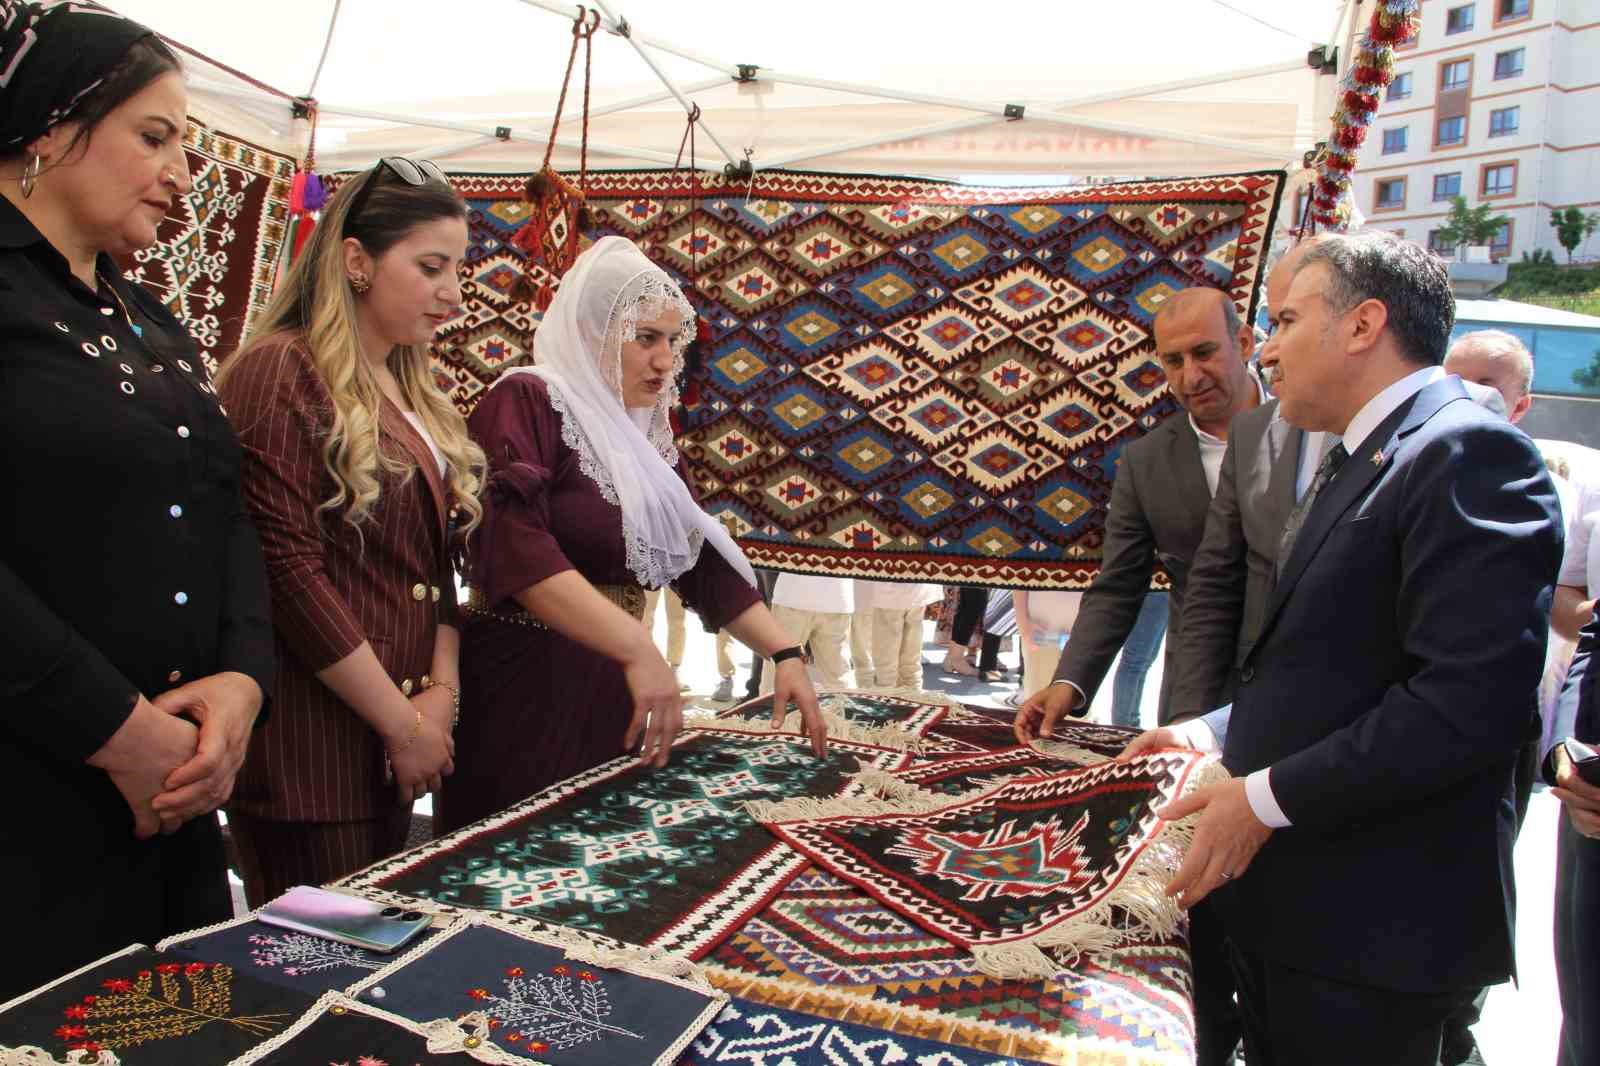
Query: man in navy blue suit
[1361, 853]
[1578, 862]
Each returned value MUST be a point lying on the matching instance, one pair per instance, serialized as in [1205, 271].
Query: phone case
[1585, 760]
[358, 922]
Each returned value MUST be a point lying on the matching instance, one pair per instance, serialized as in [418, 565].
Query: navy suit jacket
[1389, 691]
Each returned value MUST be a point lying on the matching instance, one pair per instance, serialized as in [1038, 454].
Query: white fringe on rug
[1141, 896]
[1060, 749]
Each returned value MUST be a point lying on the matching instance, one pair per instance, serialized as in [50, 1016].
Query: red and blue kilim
[905, 379]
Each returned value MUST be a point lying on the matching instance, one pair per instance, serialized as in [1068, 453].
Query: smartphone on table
[358, 922]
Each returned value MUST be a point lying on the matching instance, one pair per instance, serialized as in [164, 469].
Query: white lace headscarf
[629, 454]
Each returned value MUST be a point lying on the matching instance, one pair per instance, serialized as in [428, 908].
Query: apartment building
[1497, 101]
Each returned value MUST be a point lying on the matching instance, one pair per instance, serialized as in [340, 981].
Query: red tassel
[545, 296]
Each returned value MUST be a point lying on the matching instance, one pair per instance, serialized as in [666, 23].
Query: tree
[1470, 225]
[1589, 376]
[1573, 227]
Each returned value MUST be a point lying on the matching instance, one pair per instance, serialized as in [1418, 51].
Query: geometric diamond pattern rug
[823, 934]
[869, 717]
[661, 857]
[1033, 863]
[905, 379]
[215, 254]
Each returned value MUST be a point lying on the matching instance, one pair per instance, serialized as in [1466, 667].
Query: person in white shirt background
[895, 611]
[816, 611]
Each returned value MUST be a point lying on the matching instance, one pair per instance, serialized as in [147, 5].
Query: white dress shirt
[895, 595]
[427, 438]
[1213, 448]
[1209, 732]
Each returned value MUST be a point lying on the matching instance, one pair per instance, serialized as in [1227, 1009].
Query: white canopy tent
[1144, 87]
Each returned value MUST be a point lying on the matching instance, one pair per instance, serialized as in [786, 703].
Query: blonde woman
[354, 466]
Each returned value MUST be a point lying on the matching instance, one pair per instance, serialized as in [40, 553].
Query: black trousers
[1578, 944]
[95, 889]
[969, 612]
[1216, 1016]
[1294, 1018]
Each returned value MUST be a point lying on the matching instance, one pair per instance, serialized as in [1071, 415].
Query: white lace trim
[38, 1056]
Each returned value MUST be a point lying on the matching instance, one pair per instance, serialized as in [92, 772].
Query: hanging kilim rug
[664, 857]
[216, 251]
[905, 379]
[1032, 864]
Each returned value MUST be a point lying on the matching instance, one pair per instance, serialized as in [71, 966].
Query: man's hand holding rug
[1225, 841]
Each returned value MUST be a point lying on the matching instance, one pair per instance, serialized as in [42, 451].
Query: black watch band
[782, 654]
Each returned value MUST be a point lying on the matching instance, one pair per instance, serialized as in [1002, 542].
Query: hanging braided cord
[588, 64]
[582, 29]
[694, 193]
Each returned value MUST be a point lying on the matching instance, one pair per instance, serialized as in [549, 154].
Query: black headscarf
[50, 59]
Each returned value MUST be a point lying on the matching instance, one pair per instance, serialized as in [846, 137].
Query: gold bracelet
[388, 763]
[455, 697]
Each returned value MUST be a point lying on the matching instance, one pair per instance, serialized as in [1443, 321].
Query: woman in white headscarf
[587, 508]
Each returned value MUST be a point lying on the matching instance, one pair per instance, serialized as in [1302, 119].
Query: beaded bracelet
[388, 764]
[455, 698]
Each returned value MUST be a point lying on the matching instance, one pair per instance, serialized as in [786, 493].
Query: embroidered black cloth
[308, 964]
[50, 59]
[148, 1007]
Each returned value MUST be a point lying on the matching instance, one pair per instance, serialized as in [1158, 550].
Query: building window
[1458, 19]
[1438, 245]
[1452, 131]
[1447, 186]
[1511, 10]
[1509, 64]
[1500, 243]
[1504, 121]
[1400, 88]
[1457, 73]
[1499, 179]
[1394, 140]
[1391, 193]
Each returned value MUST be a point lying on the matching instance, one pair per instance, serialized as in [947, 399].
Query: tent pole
[689, 108]
[640, 101]
[612, 25]
[869, 142]
[327, 43]
[781, 78]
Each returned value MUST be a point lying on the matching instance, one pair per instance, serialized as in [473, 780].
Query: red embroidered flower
[560, 971]
[117, 984]
[71, 1032]
[514, 971]
[76, 1011]
[143, 974]
[478, 993]
[90, 999]
[538, 1046]
[169, 967]
[586, 975]
[194, 968]
[496, 1023]
[85, 1045]
[512, 1038]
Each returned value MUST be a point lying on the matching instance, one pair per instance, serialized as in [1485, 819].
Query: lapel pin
[1377, 457]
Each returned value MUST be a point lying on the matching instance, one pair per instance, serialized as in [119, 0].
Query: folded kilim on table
[891, 721]
[1053, 862]
[663, 857]
[824, 946]
[905, 379]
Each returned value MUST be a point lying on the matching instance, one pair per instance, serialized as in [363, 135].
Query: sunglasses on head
[410, 171]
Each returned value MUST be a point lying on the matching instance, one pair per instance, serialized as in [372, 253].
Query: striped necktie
[1331, 462]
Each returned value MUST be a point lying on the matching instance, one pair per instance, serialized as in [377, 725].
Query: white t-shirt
[814, 592]
[895, 595]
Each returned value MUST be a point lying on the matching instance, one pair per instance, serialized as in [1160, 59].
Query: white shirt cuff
[1258, 790]
[1196, 734]
[1078, 698]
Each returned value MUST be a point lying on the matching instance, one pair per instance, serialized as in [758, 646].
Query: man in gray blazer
[1159, 500]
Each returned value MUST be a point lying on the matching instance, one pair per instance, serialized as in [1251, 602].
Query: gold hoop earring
[360, 284]
[30, 174]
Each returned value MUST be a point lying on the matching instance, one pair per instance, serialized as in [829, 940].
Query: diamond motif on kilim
[929, 500]
[1035, 218]
[886, 288]
[741, 365]
[1099, 255]
[1064, 506]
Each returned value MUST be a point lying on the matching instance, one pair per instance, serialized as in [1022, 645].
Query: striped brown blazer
[389, 583]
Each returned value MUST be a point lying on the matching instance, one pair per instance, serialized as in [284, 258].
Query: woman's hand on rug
[1581, 799]
[225, 707]
[657, 707]
[791, 684]
[1038, 715]
[1226, 839]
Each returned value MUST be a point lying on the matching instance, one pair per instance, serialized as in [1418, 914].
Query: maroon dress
[536, 707]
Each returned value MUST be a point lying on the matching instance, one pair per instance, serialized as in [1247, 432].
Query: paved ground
[1520, 1023]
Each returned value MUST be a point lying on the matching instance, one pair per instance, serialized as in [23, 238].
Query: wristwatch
[793, 652]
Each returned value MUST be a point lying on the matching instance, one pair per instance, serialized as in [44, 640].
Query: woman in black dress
[137, 643]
